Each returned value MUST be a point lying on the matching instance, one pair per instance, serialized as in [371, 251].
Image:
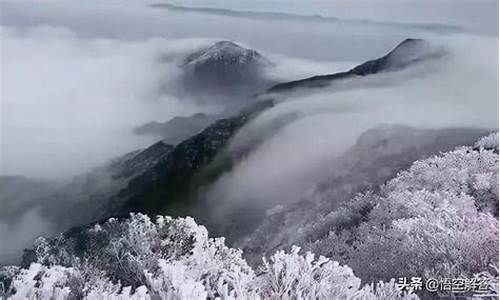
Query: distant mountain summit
[408, 52]
[224, 63]
[225, 53]
[405, 54]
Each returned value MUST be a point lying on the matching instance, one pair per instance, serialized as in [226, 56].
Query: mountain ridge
[407, 53]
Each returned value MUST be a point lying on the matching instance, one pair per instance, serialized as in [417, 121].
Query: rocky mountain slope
[172, 183]
[176, 129]
[88, 192]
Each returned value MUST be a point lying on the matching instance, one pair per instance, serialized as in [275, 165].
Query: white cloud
[69, 103]
[458, 91]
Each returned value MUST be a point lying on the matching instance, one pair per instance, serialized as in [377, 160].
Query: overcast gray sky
[476, 15]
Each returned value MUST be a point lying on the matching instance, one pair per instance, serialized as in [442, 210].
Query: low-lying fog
[77, 78]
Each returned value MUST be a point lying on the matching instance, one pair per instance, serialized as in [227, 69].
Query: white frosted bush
[293, 276]
[488, 142]
[175, 259]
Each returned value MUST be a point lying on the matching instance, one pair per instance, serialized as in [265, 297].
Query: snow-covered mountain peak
[224, 64]
[225, 52]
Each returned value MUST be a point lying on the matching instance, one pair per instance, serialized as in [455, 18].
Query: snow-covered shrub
[163, 257]
[173, 281]
[58, 282]
[491, 277]
[41, 282]
[175, 259]
[488, 142]
[220, 269]
[7, 274]
[293, 276]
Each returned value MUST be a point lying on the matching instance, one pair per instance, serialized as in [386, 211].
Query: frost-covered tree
[424, 240]
[468, 171]
[439, 219]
